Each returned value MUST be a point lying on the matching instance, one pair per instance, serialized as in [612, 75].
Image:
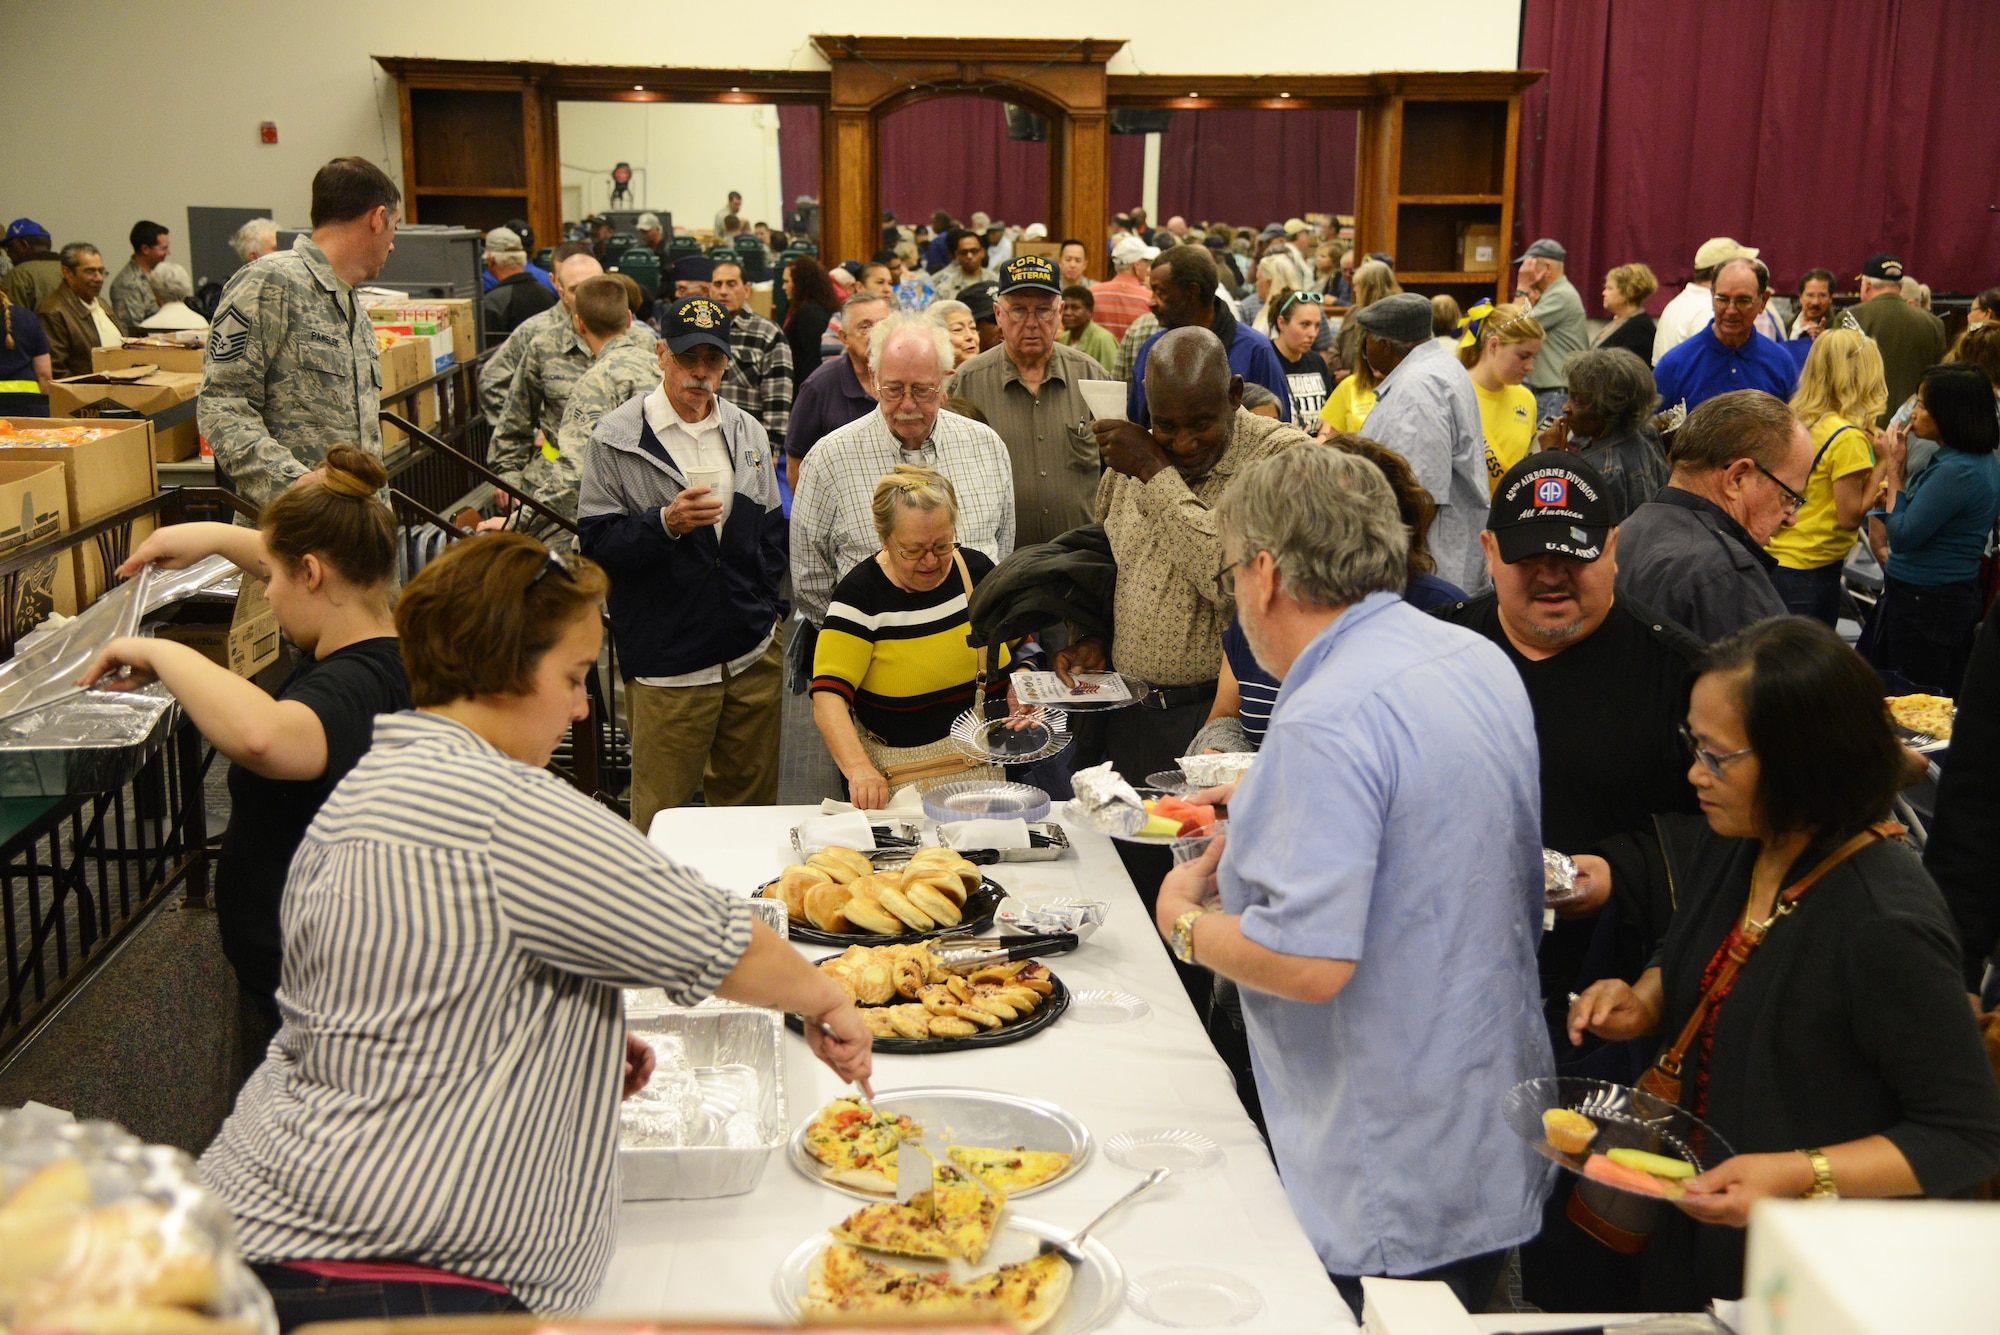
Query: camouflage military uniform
[130, 296]
[628, 365]
[291, 370]
[496, 373]
[551, 364]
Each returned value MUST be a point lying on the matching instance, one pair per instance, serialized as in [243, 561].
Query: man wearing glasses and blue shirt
[1695, 552]
[1730, 354]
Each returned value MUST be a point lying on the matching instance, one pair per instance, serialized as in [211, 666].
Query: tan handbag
[936, 762]
[1622, 1222]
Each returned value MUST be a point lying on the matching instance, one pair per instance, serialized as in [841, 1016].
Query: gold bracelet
[1823, 1188]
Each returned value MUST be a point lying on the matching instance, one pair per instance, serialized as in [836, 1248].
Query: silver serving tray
[1055, 844]
[1097, 1287]
[984, 1117]
[898, 828]
[738, 1056]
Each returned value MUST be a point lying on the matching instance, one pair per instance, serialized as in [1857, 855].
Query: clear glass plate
[1194, 1296]
[1173, 1148]
[1100, 1005]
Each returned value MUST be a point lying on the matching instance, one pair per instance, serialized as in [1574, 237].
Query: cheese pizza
[1009, 1170]
[844, 1282]
[1931, 714]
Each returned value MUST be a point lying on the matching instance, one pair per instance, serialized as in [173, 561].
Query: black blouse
[1849, 1021]
[1635, 336]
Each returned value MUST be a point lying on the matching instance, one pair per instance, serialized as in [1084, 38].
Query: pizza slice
[857, 1145]
[1031, 1292]
[965, 1214]
[844, 1282]
[902, 1230]
[1009, 1170]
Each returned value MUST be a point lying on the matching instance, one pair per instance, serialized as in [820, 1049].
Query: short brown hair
[337, 518]
[603, 305]
[1635, 282]
[1415, 505]
[1742, 424]
[635, 296]
[569, 250]
[348, 188]
[477, 620]
[1979, 346]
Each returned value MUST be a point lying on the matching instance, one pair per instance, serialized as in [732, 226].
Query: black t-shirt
[1310, 382]
[268, 817]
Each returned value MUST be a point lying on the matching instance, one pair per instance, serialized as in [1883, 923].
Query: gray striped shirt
[445, 1088]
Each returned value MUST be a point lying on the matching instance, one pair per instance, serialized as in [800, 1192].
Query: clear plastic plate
[1099, 1005]
[1170, 1147]
[985, 799]
[994, 741]
[1194, 1296]
[1626, 1118]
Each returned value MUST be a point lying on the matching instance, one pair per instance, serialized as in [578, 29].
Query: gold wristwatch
[1823, 1188]
[1182, 943]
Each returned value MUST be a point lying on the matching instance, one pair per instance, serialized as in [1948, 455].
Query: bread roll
[926, 896]
[843, 864]
[825, 906]
[899, 904]
[865, 911]
[793, 883]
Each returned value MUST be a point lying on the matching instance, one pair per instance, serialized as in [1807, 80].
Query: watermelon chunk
[1194, 817]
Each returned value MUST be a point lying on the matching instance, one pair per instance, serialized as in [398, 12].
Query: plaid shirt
[759, 378]
[833, 521]
[1135, 338]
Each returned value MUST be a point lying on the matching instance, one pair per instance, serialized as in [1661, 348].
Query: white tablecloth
[717, 1257]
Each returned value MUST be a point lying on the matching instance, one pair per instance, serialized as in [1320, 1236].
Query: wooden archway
[874, 76]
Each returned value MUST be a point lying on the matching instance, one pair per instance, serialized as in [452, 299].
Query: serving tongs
[965, 954]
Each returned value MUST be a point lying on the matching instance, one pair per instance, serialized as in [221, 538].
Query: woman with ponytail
[327, 548]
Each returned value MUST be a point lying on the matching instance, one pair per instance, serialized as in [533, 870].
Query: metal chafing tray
[1046, 840]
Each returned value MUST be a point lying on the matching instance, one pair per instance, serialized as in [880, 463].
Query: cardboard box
[1479, 249]
[243, 639]
[403, 365]
[34, 507]
[102, 477]
[1048, 250]
[760, 301]
[165, 398]
[140, 352]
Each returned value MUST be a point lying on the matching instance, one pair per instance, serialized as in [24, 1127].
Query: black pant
[1471, 1281]
[302, 1299]
[1810, 593]
[1926, 632]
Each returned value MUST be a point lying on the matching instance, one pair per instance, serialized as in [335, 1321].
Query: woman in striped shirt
[892, 663]
[435, 1128]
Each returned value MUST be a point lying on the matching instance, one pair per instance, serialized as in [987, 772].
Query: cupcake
[1570, 1132]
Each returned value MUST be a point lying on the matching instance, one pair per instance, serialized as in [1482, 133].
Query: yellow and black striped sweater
[900, 658]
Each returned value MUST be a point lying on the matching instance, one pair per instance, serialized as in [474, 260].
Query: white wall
[686, 157]
[89, 150]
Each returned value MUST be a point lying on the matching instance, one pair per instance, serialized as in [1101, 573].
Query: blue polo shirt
[1356, 837]
[487, 282]
[1703, 366]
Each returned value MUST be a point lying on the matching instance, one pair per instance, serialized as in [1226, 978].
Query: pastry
[865, 911]
[825, 906]
[1570, 1132]
[899, 904]
[791, 886]
[933, 903]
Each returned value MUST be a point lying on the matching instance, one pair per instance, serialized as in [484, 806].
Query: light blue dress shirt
[1393, 818]
[1427, 411]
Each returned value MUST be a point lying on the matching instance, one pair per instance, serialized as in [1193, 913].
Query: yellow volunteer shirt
[1348, 406]
[1816, 538]
[1507, 415]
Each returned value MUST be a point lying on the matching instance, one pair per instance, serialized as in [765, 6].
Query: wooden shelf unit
[478, 145]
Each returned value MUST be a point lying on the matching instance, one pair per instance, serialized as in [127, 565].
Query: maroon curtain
[953, 153]
[1128, 172]
[798, 152]
[1253, 167]
[1817, 130]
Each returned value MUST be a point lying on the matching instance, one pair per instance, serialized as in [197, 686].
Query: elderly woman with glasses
[892, 668]
[1810, 981]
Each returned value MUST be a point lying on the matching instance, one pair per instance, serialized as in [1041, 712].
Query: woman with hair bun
[327, 548]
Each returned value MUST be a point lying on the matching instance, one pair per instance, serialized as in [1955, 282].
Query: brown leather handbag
[1623, 1223]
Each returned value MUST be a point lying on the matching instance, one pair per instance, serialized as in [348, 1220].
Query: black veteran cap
[1550, 504]
[1029, 273]
[692, 321]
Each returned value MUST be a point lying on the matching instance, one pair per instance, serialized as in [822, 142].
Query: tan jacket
[72, 333]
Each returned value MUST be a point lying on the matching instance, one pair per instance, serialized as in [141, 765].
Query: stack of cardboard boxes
[417, 340]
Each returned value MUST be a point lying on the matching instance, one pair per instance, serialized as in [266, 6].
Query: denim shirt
[1394, 819]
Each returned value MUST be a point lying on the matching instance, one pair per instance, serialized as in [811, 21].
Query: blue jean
[302, 1299]
[1549, 403]
[1471, 1281]
[1810, 593]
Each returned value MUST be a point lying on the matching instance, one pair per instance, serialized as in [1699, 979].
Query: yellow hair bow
[1470, 324]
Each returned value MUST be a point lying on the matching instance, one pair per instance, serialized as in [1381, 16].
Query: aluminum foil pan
[1558, 877]
[42, 674]
[88, 743]
[726, 1092]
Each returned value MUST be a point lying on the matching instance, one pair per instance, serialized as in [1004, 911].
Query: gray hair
[861, 296]
[259, 235]
[1616, 384]
[897, 323]
[73, 253]
[1278, 267]
[941, 311]
[170, 282]
[1328, 519]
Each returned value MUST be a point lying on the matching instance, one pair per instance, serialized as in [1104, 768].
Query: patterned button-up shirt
[626, 367]
[833, 520]
[954, 281]
[1168, 615]
[1056, 464]
[130, 296]
[291, 370]
[759, 378]
[1135, 338]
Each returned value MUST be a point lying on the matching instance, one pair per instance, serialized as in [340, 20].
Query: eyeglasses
[1739, 301]
[921, 395]
[1225, 581]
[1310, 298]
[557, 564]
[1015, 313]
[703, 359]
[1793, 501]
[1710, 761]
[942, 551]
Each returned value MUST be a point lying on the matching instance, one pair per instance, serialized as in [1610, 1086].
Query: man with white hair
[1910, 339]
[833, 523]
[1559, 311]
[1423, 739]
[170, 283]
[515, 296]
[254, 239]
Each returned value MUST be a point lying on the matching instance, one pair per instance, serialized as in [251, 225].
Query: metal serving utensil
[1071, 1249]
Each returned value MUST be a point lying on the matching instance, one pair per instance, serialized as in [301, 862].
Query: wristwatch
[1182, 943]
[1822, 1187]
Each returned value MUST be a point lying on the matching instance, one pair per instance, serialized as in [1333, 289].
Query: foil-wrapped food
[1559, 875]
[1105, 801]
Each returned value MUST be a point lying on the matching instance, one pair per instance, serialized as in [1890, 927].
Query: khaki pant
[722, 739]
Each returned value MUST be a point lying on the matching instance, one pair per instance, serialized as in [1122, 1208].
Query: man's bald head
[572, 273]
[1192, 397]
[1192, 358]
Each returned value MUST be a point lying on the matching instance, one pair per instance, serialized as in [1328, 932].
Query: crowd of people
[1454, 575]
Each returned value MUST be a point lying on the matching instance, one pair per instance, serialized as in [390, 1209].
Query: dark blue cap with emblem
[693, 321]
[1029, 273]
[1550, 504]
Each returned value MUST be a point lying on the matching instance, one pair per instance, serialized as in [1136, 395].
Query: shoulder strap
[1824, 448]
[979, 677]
[1753, 936]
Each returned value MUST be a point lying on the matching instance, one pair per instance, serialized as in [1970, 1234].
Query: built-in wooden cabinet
[479, 145]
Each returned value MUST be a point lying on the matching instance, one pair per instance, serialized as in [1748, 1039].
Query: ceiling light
[1284, 94]
[638, 87]
[734, 89]
[1194, 94]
